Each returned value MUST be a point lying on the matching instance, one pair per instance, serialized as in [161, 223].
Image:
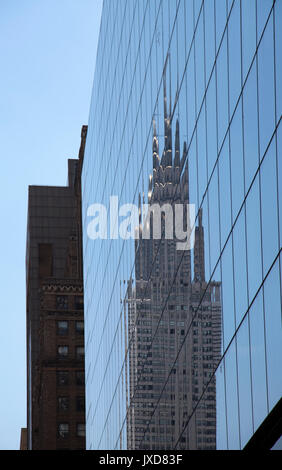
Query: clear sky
[47, 51]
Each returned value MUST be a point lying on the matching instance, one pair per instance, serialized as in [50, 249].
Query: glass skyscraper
[184, 347]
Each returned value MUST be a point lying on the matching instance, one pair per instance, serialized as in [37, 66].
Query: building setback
[55, 324]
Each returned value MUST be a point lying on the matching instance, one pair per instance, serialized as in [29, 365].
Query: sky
[48, 51]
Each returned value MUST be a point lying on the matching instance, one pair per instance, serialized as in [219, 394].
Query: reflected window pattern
[183, 348]
[174, 322]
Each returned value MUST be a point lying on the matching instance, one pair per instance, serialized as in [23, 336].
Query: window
[63, 430]
[78, 302]
[80, 377]
[80, 429]
[80, 403]
[266, 98]
[80, 352]
[62, 302]
[62, 328]
[63, 403]
[62, 377]
[79, 327]
[63, 351]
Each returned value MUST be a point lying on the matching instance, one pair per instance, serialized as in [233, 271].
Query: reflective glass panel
[244, 383]
[266, 87]
[273, 329]
[258, 360]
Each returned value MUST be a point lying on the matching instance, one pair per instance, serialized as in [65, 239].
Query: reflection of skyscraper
[173, 346]
[224, 64]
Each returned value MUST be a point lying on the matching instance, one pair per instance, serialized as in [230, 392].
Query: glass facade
[183, 349]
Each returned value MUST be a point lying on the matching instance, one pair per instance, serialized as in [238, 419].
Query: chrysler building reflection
[173, 321]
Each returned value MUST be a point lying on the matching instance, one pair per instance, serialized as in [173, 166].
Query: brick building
[55, 326]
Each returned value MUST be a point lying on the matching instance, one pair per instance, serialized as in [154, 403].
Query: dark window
[63, 351]
[78, 302]
[63, 377]
[80, 429]
[79, 327]
[80, 403]
[63, 430]
[63, 403]
[62, 302]
[62, 328]
[80, 379]
[80, 352]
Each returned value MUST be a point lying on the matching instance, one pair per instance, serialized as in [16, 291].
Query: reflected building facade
[223, 66]
[173, 345]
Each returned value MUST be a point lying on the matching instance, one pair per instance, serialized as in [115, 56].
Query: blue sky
[47, 51]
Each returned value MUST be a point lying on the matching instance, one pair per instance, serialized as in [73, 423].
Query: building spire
[167, 126]
[165, 97]
[177, 146]
[150, 185]
[156, 158]
[184, 155]
[199, 251]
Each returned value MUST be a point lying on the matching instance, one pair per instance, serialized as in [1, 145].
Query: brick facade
[55, 322]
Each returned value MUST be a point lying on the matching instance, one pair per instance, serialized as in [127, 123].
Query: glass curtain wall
[184, 348]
